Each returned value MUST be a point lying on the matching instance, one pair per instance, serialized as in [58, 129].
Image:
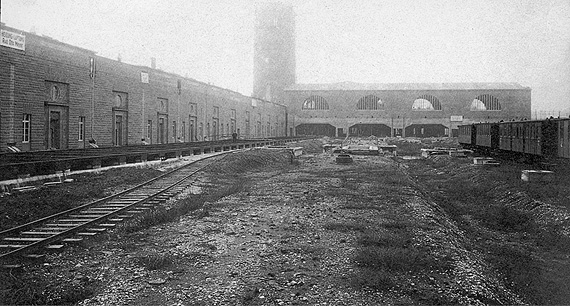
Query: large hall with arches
[405, 109]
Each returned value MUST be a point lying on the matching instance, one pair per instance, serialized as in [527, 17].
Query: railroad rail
[87, 220]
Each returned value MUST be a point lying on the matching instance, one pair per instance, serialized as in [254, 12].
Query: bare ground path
[312, 233]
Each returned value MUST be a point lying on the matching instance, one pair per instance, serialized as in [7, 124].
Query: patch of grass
[16, 289]
[508, 219]
[551, 237]
[249, 295]
[20, 208]
[183, 206]
[373, 278]
[386, 251]
[527, 254]
[383, 239]
[397, 259]
[345, 227]
[523, 272]
[155, 261]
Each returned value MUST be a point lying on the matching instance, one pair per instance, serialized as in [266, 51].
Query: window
[174, 129]
[149, 130]
[163, 105]
[120, 99]
[315, 103]
[184, 131]
[370, 102]
[233, 115]
[485, 103]
[81, 128]
[26, 128]
[55, 93]
[216, 112]
[426, 102]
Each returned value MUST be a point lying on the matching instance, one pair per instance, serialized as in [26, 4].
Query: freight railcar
[533, 138]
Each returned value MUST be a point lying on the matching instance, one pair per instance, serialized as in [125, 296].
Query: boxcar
[487, 135]
[563, 143]
[505, 138]
[466, 135]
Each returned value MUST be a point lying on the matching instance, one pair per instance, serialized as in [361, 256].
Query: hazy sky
[368, 41]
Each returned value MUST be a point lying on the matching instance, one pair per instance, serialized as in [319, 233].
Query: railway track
[87, 220]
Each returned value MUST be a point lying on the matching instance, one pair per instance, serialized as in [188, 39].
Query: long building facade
[340, 109]
[416, 110]
[57, 96]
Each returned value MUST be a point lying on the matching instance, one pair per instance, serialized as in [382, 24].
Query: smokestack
[119, 58]
[153, 62]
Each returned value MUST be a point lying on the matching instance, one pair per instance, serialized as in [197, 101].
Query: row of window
[195, 131]
[27, 130]
[425, 102]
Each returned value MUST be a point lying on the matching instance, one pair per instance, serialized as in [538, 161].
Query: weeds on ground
[345, 227]
[182, 207]
[519, 257]
[16, 289]
[20, 208]
[155, 260]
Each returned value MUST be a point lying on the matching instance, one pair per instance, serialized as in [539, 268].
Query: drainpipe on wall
[11, 108]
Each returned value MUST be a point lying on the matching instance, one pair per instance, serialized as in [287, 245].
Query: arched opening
[485, 102]
[319, 129]
[370, 102]
[426, 102]
[315, 103]
[427, 130]
[363, 130]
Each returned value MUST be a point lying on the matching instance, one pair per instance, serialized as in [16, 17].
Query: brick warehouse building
[57, 96]
[420, 110]
[417, 110]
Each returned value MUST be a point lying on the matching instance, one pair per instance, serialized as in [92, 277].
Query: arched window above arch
[426, 102]
[485, 102]
[118, 100]
[55, 93]
[370, 102]
[315, 103]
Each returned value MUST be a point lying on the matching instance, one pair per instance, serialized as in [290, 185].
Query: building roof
[402, 86]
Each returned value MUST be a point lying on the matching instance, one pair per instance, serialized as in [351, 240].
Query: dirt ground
[381, 230]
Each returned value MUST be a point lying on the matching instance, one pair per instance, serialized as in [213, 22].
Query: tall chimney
[153, 62]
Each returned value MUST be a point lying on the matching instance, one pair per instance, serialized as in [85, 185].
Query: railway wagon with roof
[548, 138]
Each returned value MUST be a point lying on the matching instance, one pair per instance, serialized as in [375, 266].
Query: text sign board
[13, 40]
[456, 118]
[144, 77]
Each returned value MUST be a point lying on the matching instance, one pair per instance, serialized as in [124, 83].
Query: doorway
[56, 136]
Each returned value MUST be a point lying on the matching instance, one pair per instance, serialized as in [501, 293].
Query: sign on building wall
[456, 118]
[13, 40]
[144, 77]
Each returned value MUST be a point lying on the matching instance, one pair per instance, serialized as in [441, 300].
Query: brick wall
[23, 79]
[398, 112]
